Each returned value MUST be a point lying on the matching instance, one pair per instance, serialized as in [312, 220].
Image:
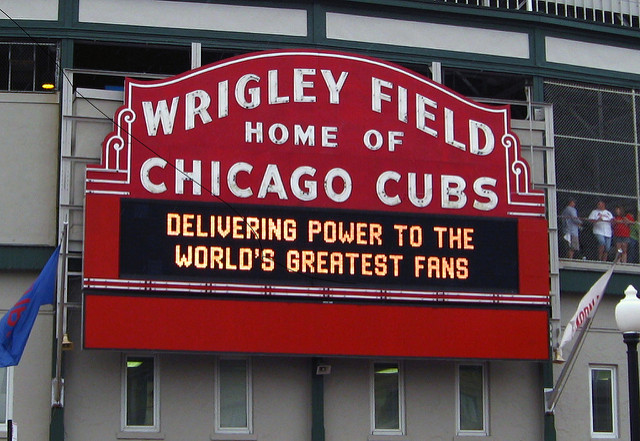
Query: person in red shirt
[621, 230]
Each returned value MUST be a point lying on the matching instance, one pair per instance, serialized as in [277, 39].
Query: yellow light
[48, 86]
[390, 370]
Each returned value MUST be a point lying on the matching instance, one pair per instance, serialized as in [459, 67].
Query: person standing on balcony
[601, 219]
[571, 224]
[621, 231]
[634, 236]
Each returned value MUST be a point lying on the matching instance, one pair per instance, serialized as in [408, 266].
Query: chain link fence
[596, 148]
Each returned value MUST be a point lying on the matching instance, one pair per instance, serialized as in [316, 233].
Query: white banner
[586, 308]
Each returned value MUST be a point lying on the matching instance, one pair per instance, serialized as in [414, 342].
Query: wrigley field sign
[310, 175]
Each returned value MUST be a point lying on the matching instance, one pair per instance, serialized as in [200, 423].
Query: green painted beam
[581, 281]
[56, 426]
[549, 419]
[24, 258]
[317, 402]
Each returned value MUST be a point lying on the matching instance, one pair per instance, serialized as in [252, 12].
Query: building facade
[569, 75]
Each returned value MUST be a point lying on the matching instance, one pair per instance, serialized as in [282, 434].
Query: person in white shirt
[601, 218]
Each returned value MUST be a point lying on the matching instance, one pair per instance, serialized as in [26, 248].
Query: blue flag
[16, 325]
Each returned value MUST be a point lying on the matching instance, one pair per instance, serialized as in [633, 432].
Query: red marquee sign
[309, 176]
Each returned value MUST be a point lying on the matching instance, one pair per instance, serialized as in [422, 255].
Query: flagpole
[61, 285]
[553, 395]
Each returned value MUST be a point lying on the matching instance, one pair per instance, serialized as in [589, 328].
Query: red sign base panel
[311, 328]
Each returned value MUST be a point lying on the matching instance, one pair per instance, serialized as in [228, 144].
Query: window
[387, 399]
[472, 400]
[603, 402]
[6, 393]
[485, 84]
[140, 406]
[233, 395]
[130, 58]
[28, 67]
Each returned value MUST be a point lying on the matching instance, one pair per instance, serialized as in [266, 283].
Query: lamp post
[628, 321]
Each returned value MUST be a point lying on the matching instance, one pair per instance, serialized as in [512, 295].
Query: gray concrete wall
[282, 399]
[515, 404]
[602, 346]
[29, 179]
[32, 377]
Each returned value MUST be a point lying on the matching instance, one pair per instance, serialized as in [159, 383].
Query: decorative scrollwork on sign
[509, 141]
[519, 193]
[116, 168]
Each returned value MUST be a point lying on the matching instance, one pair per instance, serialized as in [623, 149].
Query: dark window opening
[28, 67]
[210, 56]
[493, 85]
[482, 84]
[143, 59]
[132, 58]
[161, 60]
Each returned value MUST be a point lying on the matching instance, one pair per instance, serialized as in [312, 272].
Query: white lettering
[272, 183]
[413, 190]
[394, 140]
[254, 92]
[333, 86]
[223, 99]
[192, 110]
[311, 187]
[273, 134]
[382, 191]
[194, 176]
[303, 137]
[474, 138]
[422, 115]
[342, 174]
[299, 85]
[145, 171]
[480, 190]
[449, 132]
[215, 178]
[329, 135]
[162, 114]
[402, 104]
[273, 89]
[452, 191]
[378, 139]
[232, 179]
[250, 131]
[377, 95]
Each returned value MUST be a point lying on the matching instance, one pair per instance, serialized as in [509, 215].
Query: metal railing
[614, 12]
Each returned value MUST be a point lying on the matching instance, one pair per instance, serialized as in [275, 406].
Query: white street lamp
[628, 321]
